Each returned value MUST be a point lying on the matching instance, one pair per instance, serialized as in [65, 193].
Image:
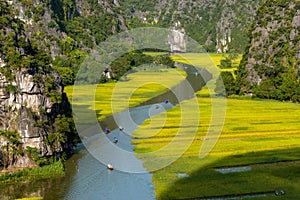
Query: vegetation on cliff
[35, 120]
[270, 67]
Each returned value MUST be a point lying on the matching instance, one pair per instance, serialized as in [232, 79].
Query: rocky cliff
[35, 115]
[177, 40]
[29, 119]
[270, 67]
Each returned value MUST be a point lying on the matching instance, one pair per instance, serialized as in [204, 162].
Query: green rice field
[114, 97]
[261, 134]
[208, 59]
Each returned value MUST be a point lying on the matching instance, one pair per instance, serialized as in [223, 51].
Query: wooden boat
[110, 167]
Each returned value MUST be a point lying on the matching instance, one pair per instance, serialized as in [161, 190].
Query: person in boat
[115, 139]
[121, 128]
[107, 130]
[166, 101]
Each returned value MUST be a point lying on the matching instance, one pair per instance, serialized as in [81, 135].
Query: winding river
[87, 178]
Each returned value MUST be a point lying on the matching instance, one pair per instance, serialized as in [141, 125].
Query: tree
[289, 85]
[226, 84]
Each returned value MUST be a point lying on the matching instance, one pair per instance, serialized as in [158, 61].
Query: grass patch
[155, 53]
[54, 169]
[255, 132]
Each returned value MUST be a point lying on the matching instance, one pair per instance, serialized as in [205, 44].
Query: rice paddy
[256, 133]
[207, 59]
[114, 97]
[202, 59]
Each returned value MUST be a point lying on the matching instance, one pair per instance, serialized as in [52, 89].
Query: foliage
[11, 148]
[65, 128]
[226, 83]
[227, 62]
[18, 49]
[36, 156]
[12, 137]
[11, 88]
[120, 66]
[285, 87]
[67, 66]
[50, 89]
[136, 59]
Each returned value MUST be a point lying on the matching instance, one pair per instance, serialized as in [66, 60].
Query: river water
[87, 178]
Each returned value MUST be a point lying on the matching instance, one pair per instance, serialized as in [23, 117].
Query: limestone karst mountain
[270, 67]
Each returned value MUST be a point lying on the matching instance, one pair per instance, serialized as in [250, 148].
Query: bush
[226, 84]
[11, 88]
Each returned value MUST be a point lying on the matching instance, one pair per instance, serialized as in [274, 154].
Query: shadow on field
[273, 175]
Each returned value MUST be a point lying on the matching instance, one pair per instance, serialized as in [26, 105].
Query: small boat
[110, 167]
[107, 130]
[115, 139]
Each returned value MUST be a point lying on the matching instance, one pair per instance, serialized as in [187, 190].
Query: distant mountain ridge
[218, 25]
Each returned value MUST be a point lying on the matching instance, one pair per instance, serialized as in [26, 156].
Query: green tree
[226, 84]
[288, 88]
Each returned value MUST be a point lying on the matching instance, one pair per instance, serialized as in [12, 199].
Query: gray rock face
[33, 27]
[30, 113]
[176, 39]
[273, 34]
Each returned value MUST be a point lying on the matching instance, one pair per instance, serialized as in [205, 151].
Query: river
[87, 178]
